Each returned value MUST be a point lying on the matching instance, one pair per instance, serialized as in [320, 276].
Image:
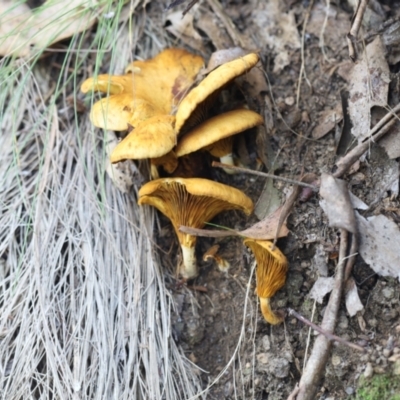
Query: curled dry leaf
[369, 85]
[124, 174]
[353, 302]
[336, 203]
[263, 230]
[276, 30]
[321, 288]
[379, 244]
[23, 31]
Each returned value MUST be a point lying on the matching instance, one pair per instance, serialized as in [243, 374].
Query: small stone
[349, 390]
[396, 367]
[343, 322]
[289, 100]
[336, 360]
[369, 371]
[279, 367]
[373, 322]
[248, 365]
[262, 358]
[387, 353]
[379, 370]
[388, 292]
[266, 342]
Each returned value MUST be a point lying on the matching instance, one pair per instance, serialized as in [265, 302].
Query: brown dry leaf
[327, 121]
[391, 142]
[23, 31]
[353, 302]
[330, 24]
[277, 30]
[220, 57]
[379, 244]
[336, 203]
[369, 84]
[321, 288]
[263, 230]
[183, 29]
[123, 174]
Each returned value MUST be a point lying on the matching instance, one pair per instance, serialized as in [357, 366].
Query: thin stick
[265, 175]
[355, 27]
[228, 24]
[352, 156]
[330, 336]
[319, 356]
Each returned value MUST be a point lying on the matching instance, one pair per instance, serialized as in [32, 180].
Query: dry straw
[83, 307]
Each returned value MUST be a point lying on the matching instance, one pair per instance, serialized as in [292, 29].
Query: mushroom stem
[228, 159]
[267, 312]
[188, 269]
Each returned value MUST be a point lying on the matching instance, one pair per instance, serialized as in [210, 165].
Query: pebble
[369, 371]
[388, 292]
[336, 360]
[373, 322]
[396, 367]
[349, 390]
[379, 370]
[266, 342]
[262, 358]
[387, 353]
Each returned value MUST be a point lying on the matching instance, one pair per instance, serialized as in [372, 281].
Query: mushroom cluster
[169, 117]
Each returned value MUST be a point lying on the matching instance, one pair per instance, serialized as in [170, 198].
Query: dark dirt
[210, 313]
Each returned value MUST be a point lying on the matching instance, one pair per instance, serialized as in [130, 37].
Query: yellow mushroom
[271, 273]
[191, 202]
[193, 108]
[215, 134]
[148, 88]
[152, 138]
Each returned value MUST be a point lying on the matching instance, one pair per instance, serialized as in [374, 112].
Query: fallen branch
[355, 27]
[329, 335]
[319, 356]
[376, 133]
[265, 175]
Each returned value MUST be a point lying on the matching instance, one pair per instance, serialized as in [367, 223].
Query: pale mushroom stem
[188, 269]
[228, 159]
[267, 312]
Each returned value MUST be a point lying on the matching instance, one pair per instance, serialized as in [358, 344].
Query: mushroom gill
[271, 273]
[192, 202]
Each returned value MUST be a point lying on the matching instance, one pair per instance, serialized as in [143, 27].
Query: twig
[329, 335]
[229, 25]
[265, 175]
[377, 132]
[355, 27]
[319, 355]
[302, 69]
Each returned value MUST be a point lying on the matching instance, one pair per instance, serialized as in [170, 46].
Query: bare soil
[217, 307]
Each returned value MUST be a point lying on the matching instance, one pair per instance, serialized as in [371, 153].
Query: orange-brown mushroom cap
[192, 202]
[151, 138]
[216, 129]
[119, 112]
[162, 81]
[214, 82]
[271, 273]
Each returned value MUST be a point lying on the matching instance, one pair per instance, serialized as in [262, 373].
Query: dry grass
[83, 308]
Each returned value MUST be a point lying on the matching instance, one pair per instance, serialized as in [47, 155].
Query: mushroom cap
[215, 81]
[151, 138]
[110, 84]
[166, 78]
[272, 267]
[217, 128]
[192, 202]
[118, 112]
